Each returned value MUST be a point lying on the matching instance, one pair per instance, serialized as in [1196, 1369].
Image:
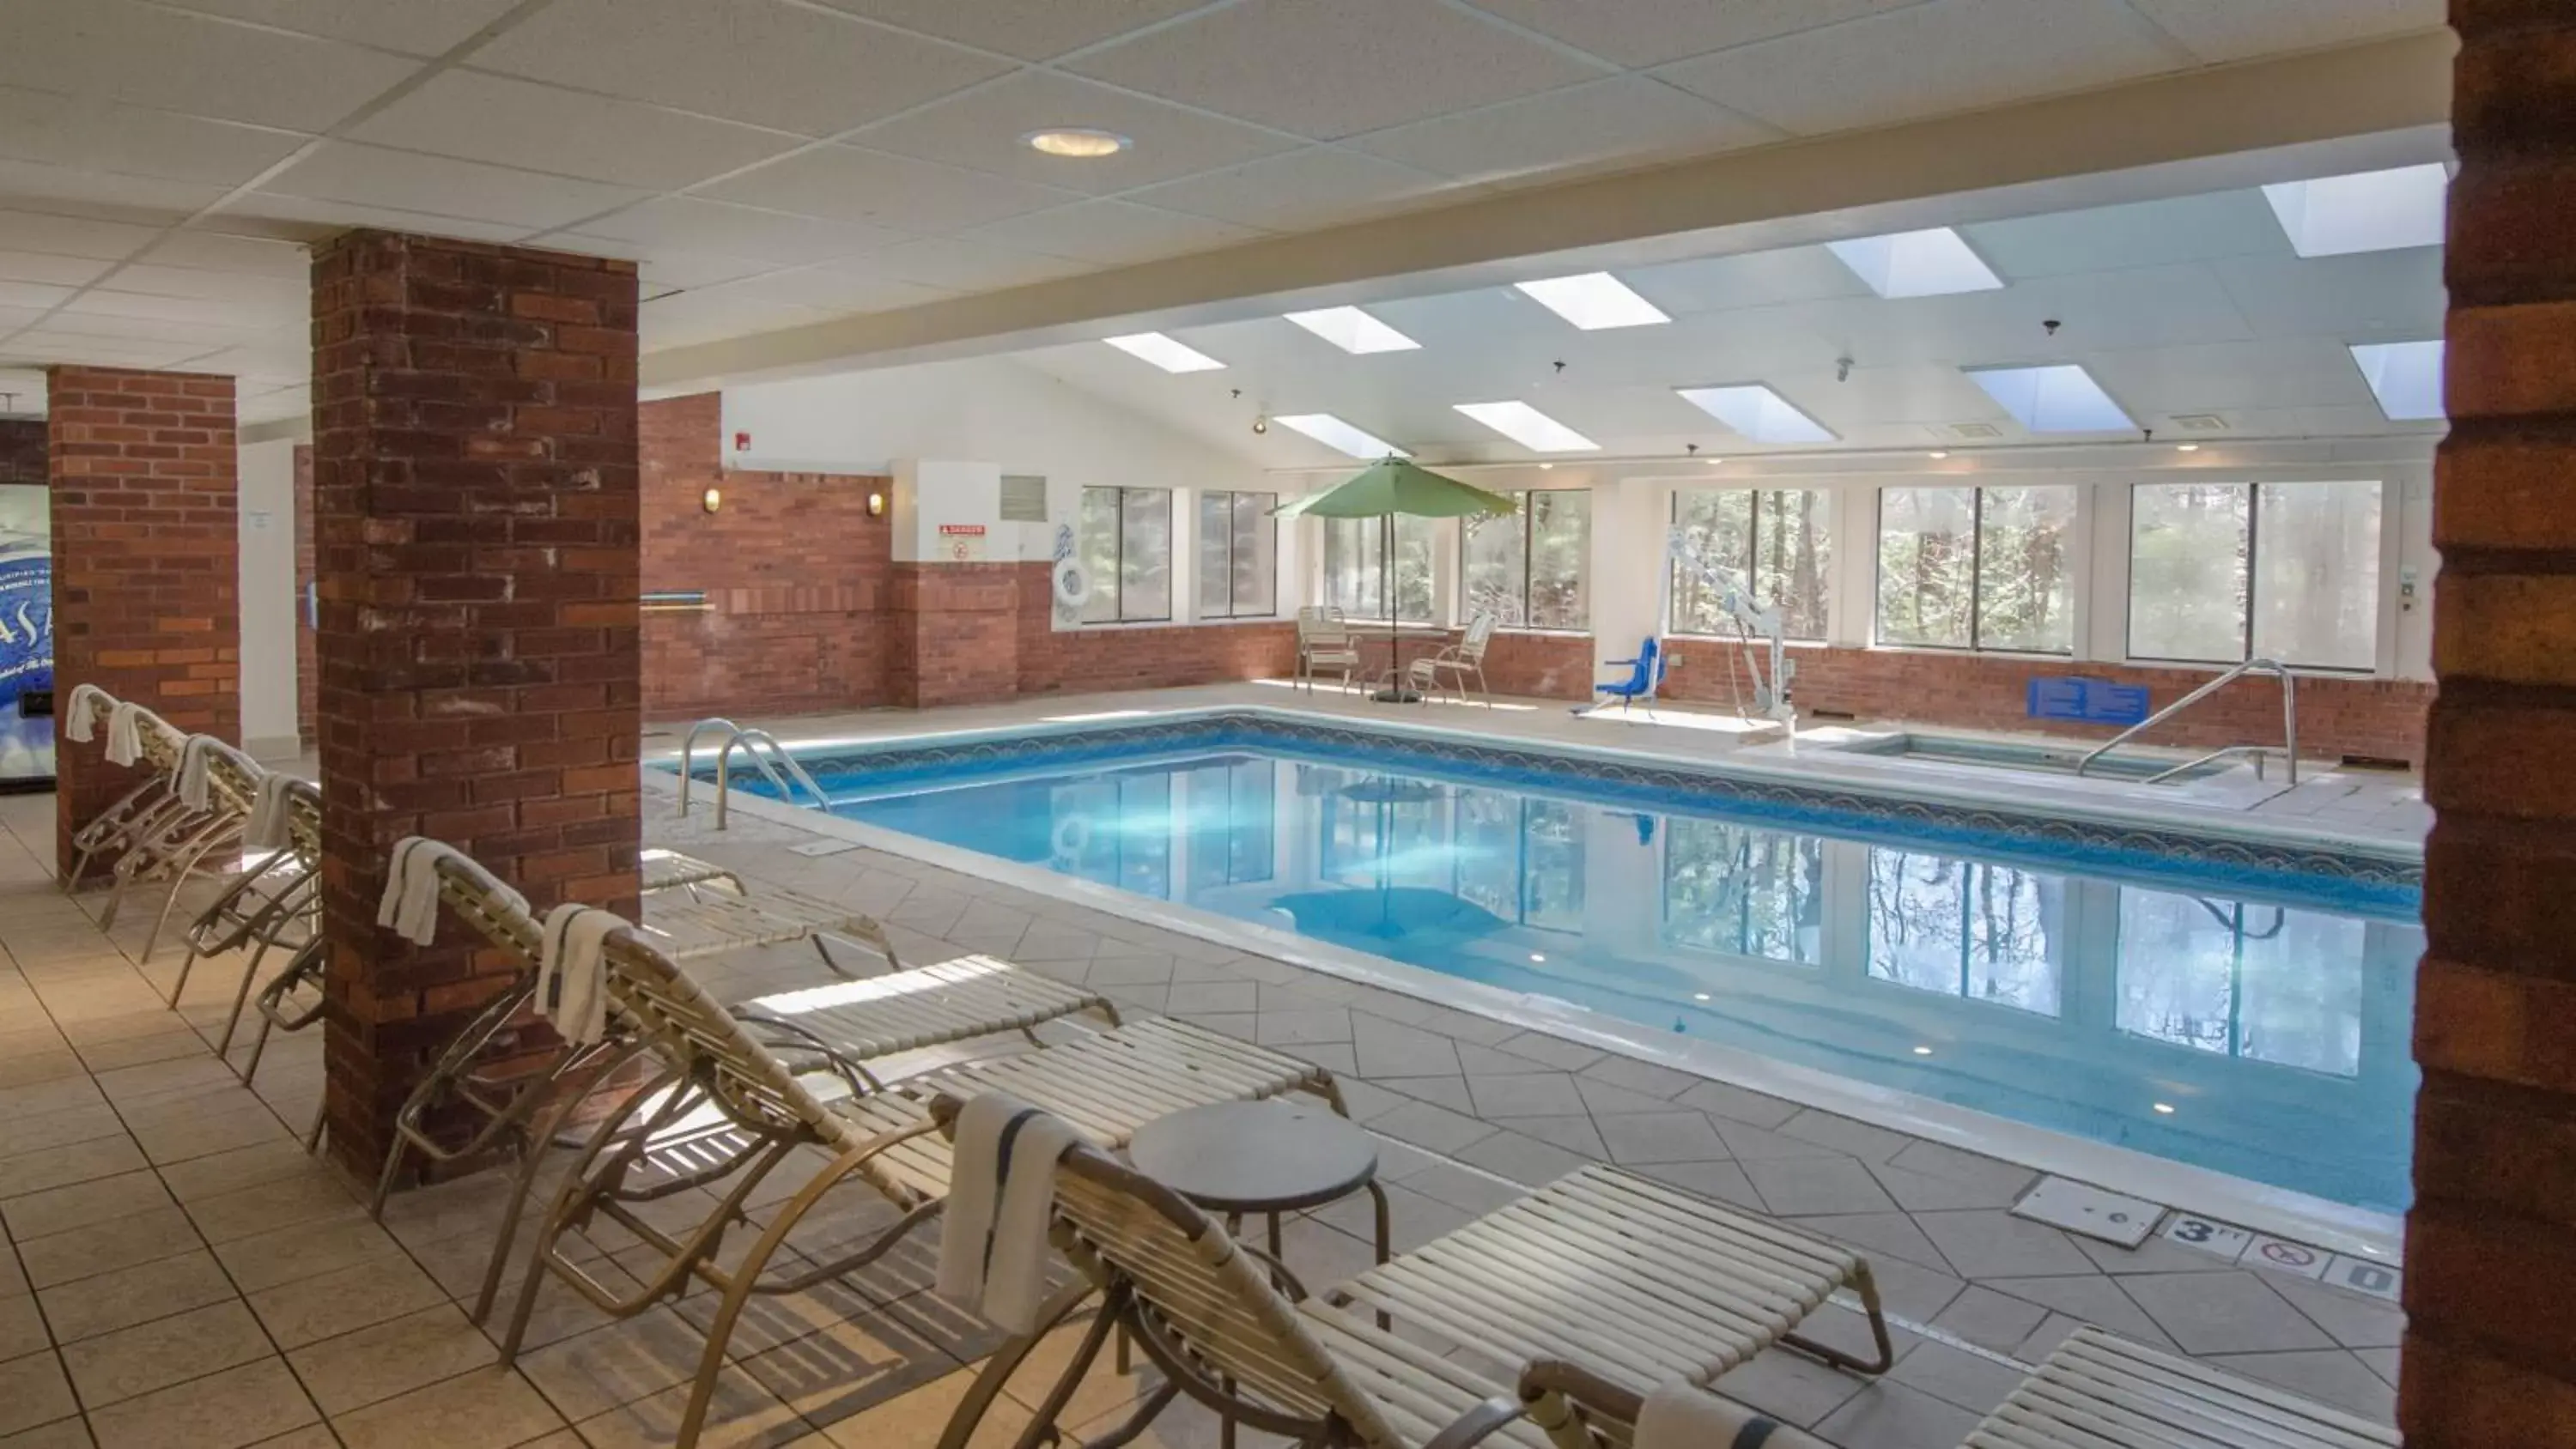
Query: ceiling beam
[2393, 96]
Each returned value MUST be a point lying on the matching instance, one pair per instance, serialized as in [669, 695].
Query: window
[1977, 568]
[1744, 892]
[1231, 817]
[1772, 539]
[1531, 570]
[1963, 928]
[1354, 549]
[1238, 555]
[2223, 572]
[1520, 859]
[1127, 549]
[2243, 980]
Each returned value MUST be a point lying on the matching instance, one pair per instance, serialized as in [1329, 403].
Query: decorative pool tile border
[2376, 885]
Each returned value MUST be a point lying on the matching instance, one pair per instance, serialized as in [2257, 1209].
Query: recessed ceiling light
[1165, 353]
[2186, 447]
[1529, 427]
[1716, 462]
[2059, 399]
[1699, 996]
[1593, 301]
[1539, 956]
[1353, 330]
[1081, 143]
[1758, 413]
[1936, 454]
[1931, 263]
[2165, 1108]
[1340, 436]
[2371, 211]
[1923, 1051]
[2406, 377]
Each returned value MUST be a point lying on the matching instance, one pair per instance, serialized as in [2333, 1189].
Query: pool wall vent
[2376, 762]
[1834, 714]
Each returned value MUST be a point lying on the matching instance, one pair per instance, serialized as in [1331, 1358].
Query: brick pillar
[2490, 1355]
[954, 633]
[308, 653]
[146, 485]
[474, 466]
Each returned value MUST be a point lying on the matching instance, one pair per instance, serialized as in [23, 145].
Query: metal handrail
[2289, 719]
[752, 740]
[690, 744]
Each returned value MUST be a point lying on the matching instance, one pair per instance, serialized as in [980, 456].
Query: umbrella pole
[1395, 691]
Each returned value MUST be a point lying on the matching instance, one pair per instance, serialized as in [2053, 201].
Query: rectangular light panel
[2406, 377]
[1340, 436]
[1593, 301]
[1353, 330]
[1758, 413]
[2371, 211]
[2060, 399]
[1529, 427]
[1933, 263]
[1165, 353]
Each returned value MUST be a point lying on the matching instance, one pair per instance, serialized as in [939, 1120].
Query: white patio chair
[1324, 642]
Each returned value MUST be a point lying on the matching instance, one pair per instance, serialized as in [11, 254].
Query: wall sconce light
[711, 500]
[876, 505]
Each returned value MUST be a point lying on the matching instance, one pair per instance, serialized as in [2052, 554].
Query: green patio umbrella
[1382, 490]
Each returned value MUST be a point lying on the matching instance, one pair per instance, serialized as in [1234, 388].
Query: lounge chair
[1449, 668]
[1324, 642]
[1601, 1263]
[1645, 675]
[727, 1110]
[2094, 1392]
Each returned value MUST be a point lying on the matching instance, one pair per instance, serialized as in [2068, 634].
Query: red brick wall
[1081, 661]
[795, 573]
[2378, 718]
[147, 543]
[2490, 1353]
[474, 465]
[308, 653]
[953, 634]
[22, 450]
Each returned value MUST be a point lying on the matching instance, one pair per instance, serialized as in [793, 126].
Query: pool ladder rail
[762, 748]
[2289, 725]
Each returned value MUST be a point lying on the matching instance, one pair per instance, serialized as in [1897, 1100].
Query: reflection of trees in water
[1750, 892]
[1986, 932]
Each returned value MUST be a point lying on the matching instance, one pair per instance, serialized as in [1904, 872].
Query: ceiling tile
[306, 220]
[1623, 120]
[71, 235]
[1929, 60]
[2221, 30]
[52, 344]
[966, 264]
[1755, 279]
[520, 123]
[1113, 233]
[422, 27]
[2365, 297]
[35, 183]
[211, 312]
[761, 61]
[1332, 68]
[1029, 29]
[61, 271]
[36, 296]
[1318, 186]
[221, 252]
[694, 317]
[373, 176]
[836, 287]
[687, 224]
[287, 292]
[87, 132]
[120, 50]
[895, 192]
[984, 129]
[2141, 234]
[665, 270]
[1650, 32]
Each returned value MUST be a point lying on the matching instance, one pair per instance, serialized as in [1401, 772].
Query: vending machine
[26, 639]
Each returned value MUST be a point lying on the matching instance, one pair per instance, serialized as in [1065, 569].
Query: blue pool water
[2068, 984]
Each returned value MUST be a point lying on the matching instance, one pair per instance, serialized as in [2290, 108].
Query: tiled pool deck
[180, 1273]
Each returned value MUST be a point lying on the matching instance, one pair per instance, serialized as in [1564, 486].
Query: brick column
[954, 633]
[474, 466]
[2490, 1355]
[146, 485]
[308, 655]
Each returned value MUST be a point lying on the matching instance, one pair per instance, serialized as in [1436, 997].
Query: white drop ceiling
[779, 162]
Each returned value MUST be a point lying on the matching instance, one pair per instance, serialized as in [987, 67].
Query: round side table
[1269, 1158]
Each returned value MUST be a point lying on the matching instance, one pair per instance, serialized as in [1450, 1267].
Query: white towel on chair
[572, 971]
[76, 719]
[1001, 1192]
[268, 813]
[125, 733]
[410, 903]
[1682, 1415]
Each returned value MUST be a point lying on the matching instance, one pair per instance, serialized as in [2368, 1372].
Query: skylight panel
[1593, 301]
[1529, 427]
[2059, 399]
[1340, 436]
[1758, 413]
[2370, 211]
[1353, 330]
[1932, 263]
[1166, 353]
[2406, 377]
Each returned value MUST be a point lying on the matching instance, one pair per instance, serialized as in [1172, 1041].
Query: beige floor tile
[328, 1305]
[162, 1352]
[251, 1404]
[34, 1131]
[311, 1436]
[268, 1206]
[143, 1237]
[858, 1363]
[29, 1172]
[199, 1077]
[22, 1328]
[177, 1043]
[916, 1419]
[390, 1358]
[593, 1372]
[489, 1408]
[100, 1200]
[60, 1434]
[23, 1068]
[88, 1307]
[34, 1391]
[218, 1173]
[742, 1415]
[305, 1250]
[182, 1137]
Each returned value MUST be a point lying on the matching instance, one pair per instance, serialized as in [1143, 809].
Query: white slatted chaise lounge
[178, 838]
[1656, 1280]
[726, 1111]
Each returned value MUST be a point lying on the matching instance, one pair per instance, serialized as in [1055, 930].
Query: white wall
[268, 601]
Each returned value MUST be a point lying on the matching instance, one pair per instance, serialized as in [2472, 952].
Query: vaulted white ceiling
[779, 162]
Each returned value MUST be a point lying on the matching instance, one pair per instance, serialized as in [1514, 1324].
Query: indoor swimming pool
[2223, 1004]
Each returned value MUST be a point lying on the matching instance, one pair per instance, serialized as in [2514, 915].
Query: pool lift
[1752, 620]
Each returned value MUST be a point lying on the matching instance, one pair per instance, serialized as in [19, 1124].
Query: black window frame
[1529, 551]
[1240, 497]
[1976, 571]
[1117, 580]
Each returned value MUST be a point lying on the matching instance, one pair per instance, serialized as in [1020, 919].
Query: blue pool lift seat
[1645, 676]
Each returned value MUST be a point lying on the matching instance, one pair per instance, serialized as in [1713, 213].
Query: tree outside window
[1126, 547]
[1977, 568]
[1352, 581]
[2223, 572]
[1238, 549]
[1773, 539]
[1533, 568]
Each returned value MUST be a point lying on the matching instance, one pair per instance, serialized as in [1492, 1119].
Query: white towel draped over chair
[410, 904]
[993, 1246]
[572, 990]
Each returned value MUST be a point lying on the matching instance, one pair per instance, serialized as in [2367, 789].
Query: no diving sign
[961, 542]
